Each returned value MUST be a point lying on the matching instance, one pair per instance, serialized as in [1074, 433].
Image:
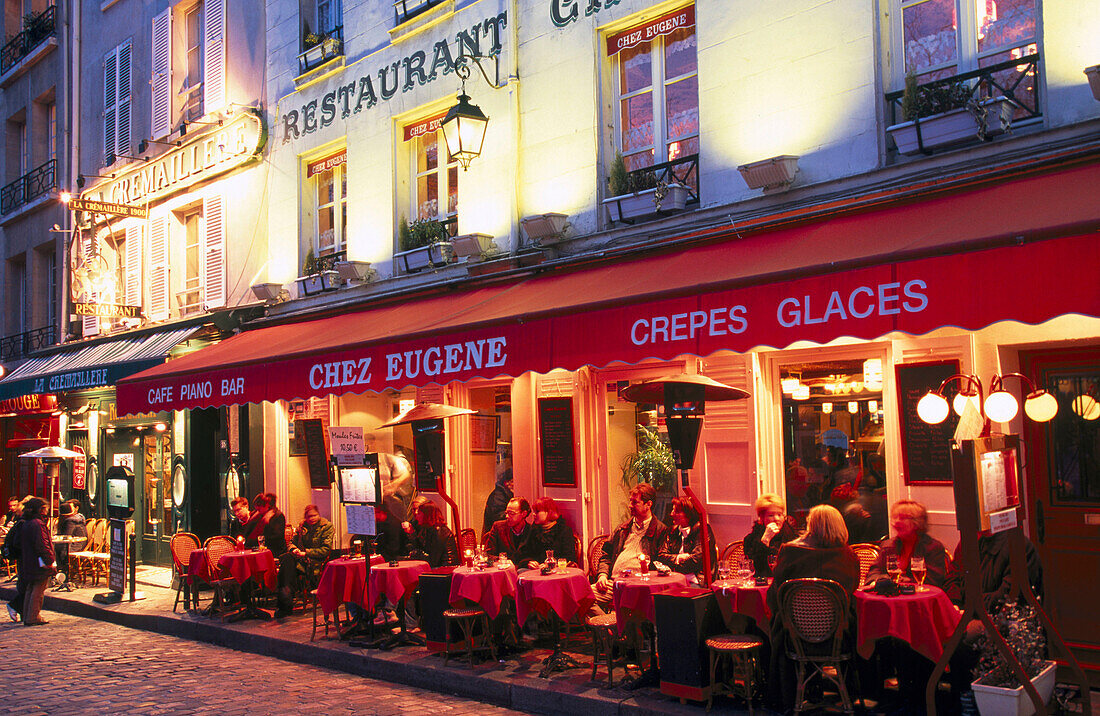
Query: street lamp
[465, 123]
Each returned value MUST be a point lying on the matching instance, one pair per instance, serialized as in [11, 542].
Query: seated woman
[822, 552]
[909, 519]
[549, 532]
[430, 539]
[681, 549]
[771, 530]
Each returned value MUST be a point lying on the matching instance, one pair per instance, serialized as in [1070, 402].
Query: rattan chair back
[732, 555]
[595, 551]
[867, 553]
[814, 611]
[467, 539]
[216, 547]
[182, 545]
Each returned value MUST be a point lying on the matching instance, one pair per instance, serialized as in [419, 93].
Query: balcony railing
[330, 45]
[405, 10]
[37, 29]
[23, 344]
[1016, 79]
[327, 262]
[683, 170]
[28, 187]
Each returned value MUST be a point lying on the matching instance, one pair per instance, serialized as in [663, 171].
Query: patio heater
[52, 456]
[428, 431]
[684, 399]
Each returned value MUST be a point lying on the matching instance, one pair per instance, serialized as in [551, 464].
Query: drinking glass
[260, 541]
[643, 564]
[773, 559]
[744, 570]
[916, 566]
[892, 567]
[563, 564]
[723, 571]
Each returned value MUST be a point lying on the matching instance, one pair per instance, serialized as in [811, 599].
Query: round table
[197, 566]
[250, 564]
[396, 583]
[736, 598]
[485, 587]
[567, 593]
[924, 620]
[633, 596]
[344, 580]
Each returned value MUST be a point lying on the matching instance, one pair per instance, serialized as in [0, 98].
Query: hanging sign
[106, 207]
[654, 28]
[424, 126]
[323, 165]
[80, 469]
[346, 443]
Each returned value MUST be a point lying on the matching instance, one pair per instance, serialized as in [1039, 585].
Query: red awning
[769, 289]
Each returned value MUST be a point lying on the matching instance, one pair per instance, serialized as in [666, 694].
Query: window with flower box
[434, 173]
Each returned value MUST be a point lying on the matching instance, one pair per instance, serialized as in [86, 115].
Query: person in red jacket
[36, 562]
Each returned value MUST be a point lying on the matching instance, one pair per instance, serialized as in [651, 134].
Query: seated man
[72, 524]
[512, 535]
[312, 544]
[14, 514]
[238, 526]
[641, 534]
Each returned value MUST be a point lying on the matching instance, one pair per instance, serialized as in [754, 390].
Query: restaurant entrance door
[158, 524]
[1064, 493]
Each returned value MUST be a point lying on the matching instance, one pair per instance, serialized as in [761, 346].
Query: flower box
[629, 208]
[434, 255]
[1000, 701]
[316, 283]
[544, 229]
[353, 270]
[959, 126]
[474, 247]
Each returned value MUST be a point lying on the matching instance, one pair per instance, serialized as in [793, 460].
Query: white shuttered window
[134, 261]
[116, 102]
[161, 82]
[213, 88]
[214, 277]
[158, 267]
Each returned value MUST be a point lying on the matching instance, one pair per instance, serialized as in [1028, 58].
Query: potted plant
[319, 48]
[997, 691]
[654, 463]
[640, 195]
[424, 244]
[314, 279]
[943, 114]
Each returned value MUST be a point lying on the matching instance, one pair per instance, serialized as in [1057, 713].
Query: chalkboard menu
[925, 449]
[429, 451]
[116, 567]
[556, 439]
[313, 430]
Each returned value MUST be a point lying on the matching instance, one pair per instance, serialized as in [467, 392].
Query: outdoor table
[924, 620]
[344, 580]
[396, 583]
[249, 567]
[747, 599]
[485, 587]
[197, 566]
[562, 595]
[633, 596]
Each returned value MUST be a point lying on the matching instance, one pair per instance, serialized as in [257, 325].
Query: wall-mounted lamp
[160, 427]
[110, 158]
[82, 179]
[183, 126]
[541, 228]
[465, 123]
[273, 292]
[772, 174]
[1001, 406]
[143, 145]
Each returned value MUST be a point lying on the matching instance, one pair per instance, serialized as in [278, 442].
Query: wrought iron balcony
[683, 170]
[327, 262]
[37, 29]
[329, 46]
[405, 10]
[23, 344]
[28, 187]
[1017, 80]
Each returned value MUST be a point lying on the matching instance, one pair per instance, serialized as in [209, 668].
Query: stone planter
[474, 247]
[353, 270]
[1093, 73]
[434, 255]
[958, 126]
[317, 283]
[544, 229]
[629, 208]
[999, 701]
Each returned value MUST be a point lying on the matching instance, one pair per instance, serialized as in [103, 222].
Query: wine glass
[892, 567]
[773, 559]
[744, 571]
[260, 541]
[916, 566]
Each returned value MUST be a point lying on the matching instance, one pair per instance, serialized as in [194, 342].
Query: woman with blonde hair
[909, 520]
[771, 529]
[822, 552]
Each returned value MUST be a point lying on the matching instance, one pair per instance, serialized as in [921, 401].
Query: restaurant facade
[836, 290]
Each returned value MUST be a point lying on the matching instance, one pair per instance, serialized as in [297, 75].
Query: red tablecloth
[395, 583]
[734, 598]
[633, 596]
[568, 594]
[924, 620]
[197, 566]
[245, 564]
[487, 587]
[344, 580]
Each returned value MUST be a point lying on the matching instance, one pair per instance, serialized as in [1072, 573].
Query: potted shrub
[1093, 73]
[424, 244]
[997, 691]
[319, 48]
[640, 195]
[654, 463]
[943, 114]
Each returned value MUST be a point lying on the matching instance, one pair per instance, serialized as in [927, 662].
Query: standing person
[682, 547]
[396, 477]
[497, 502]
[431, 539]
[511, 536]
[771, 530]
[12, 549]
[36, 562]
[641, 534]
[550, 532]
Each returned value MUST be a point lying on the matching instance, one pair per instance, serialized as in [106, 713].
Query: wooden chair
[182, 545]
[867, 554]
[738, 656]
[78, 560]
[89, 562]
[732, 554]
[814, 613]
[473, 622]
[595, 551]
[604, 638]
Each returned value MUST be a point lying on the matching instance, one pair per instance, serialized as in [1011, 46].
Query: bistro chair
[604, 640]
[182, 545]
[216, 547]
[732, 555]
[78, 561]
[738, 655]
[595, 551]
[467, 539]
[814, 613]
[473, 623]
[867, 553]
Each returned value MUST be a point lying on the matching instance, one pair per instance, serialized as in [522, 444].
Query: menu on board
[359, 484]
[313, 432]
[556, 441]
[925, 449]
[360, 519]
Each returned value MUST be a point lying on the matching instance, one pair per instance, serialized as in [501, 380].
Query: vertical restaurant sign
[80, 469]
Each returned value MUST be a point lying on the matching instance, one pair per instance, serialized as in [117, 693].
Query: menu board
[556, 442]
[360, 484]
[925, 449]
[116, 567]
[313, 433]
[360, 519]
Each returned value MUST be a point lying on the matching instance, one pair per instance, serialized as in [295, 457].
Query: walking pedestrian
[36, 563]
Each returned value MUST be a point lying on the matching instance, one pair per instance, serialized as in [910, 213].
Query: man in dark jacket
[36, 563]
[512, 535]
[498, 501]
[641, 534]
[72, 524]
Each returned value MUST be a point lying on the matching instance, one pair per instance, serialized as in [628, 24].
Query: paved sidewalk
[513, 683]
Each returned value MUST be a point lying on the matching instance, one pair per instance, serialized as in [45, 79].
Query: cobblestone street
[82, 666]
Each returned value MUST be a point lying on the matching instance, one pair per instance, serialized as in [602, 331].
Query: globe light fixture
[1002, 406]
[1086, 407]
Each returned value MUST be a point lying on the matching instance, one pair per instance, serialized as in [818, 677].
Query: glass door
[158, 523]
